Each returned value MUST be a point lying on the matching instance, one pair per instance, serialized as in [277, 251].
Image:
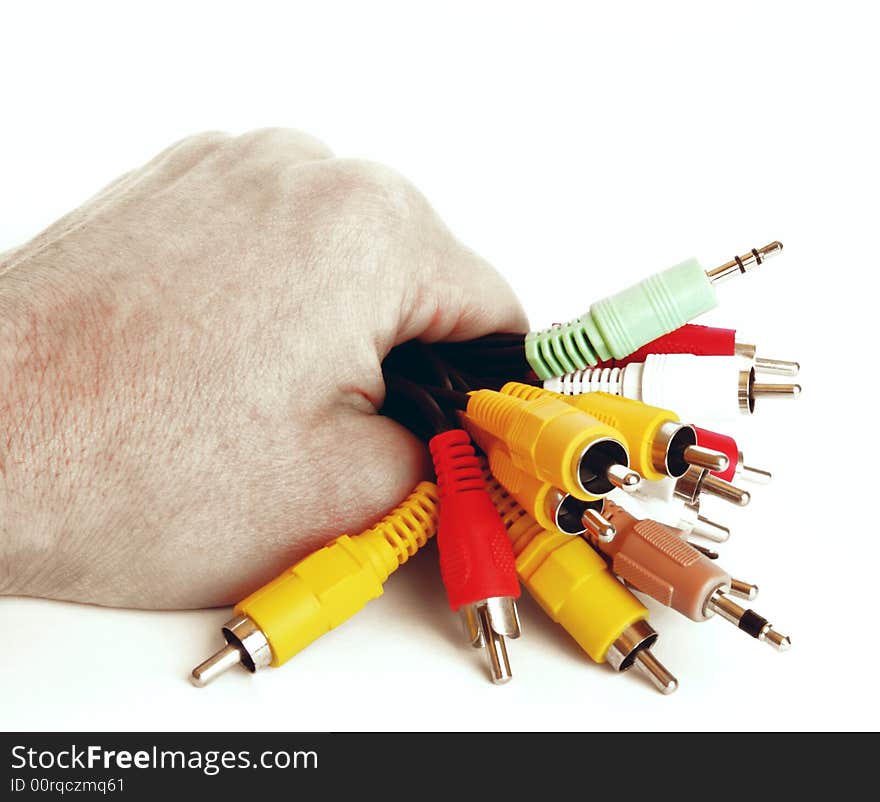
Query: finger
[358, 468]
[464, 299]
[379, 464]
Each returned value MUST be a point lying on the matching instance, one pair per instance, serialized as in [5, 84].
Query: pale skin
[190, 369]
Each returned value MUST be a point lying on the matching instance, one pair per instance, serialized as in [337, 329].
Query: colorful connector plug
[655, 560]
[572, 584]
[659, 501]
[476, 559]
[616, 326]
[659, 444]
[554, 442]
[323, 590]
[705, 341]
[735, 463]
[697, 387]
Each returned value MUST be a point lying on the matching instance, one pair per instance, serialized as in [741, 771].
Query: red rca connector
[735, 465]
[476, 558]
[705, 341]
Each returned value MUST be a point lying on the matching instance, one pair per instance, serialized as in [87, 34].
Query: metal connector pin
[748, 390]
[487, 624]
[215, 665]
[710, 530]
[659, 676]
[598, 526]
[762, 390]
[742, 264]
[752, 474]
[743, 589]
[496, 649]
[623, 477]
[246, 645]
[779, 367]
[747, 620]
[633, 648]
[724, 490]
[706, 458]
[698, 480]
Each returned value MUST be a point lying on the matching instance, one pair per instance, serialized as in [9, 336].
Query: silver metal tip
[762, 390]
[773, 249]
[711, 530]
[757, 475]
[714, 486]
[776, 640]
[656, 672]
[706, 458]
[496, 650]
[598, 526]
[215, 665]
[744, 263]
[780, 367]
[623, 477]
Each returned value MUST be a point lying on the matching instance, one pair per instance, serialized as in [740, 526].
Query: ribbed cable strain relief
[476, 558]
[409, 525]
[492, 411]
[564, 348]
[525, 392]
[591, 380]
[521, 527]
[456, 463]
[620, 324]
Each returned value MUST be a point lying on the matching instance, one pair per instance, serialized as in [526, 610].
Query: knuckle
[204, 142]
[369, 190]
[279, 144]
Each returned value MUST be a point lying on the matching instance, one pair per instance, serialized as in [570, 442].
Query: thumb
[462, 298]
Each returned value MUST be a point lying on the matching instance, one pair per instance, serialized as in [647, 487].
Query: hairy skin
[190, 368]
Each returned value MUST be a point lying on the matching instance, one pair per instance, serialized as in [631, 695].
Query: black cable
[427, 384]
[431, 418]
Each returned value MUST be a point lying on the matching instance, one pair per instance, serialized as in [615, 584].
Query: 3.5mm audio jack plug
[476, 558]
[618, 325]
[655, 560]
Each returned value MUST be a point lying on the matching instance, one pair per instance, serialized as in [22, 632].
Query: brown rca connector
[655, 560]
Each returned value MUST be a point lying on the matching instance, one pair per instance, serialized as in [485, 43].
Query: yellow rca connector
[573, 585]
[323, 590]
[659, 443]
[555, 442]
[552, 508]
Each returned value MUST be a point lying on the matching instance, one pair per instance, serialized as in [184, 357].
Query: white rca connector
[697, 388]
[658, 501]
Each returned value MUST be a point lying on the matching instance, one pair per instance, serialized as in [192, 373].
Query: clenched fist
[190, 368]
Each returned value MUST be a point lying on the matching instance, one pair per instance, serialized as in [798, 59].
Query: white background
[577, 146]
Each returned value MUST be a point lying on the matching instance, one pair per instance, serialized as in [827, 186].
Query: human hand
[190, 369]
